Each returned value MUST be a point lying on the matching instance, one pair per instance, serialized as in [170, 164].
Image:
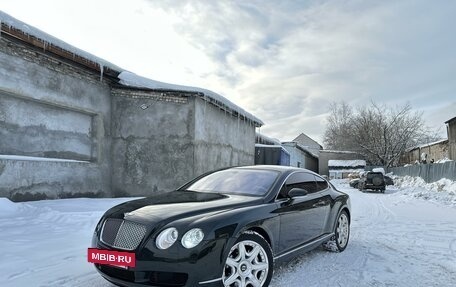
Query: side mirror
[294, 192]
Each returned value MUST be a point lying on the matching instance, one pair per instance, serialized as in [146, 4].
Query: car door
[301, 218]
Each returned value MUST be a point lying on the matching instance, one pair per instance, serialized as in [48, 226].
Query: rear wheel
[339, 241]
[249, 262]
[342, 231]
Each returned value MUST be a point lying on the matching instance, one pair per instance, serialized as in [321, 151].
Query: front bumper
[176, 266]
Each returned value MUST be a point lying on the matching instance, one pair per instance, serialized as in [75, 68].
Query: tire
[249, 262]
[377, 181]
[341, 234]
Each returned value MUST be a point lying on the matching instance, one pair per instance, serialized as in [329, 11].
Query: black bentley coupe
[224, 228]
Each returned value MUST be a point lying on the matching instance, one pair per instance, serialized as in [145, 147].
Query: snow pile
[7, 207]
[443, 160]
[35, 158]
[443, 191]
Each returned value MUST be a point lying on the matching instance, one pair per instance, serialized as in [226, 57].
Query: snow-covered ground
[405, 237]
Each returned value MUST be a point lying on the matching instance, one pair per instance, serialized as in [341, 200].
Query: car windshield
[236, 181]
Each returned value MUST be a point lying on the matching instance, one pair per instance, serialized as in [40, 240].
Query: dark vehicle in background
[225, 228]
[354, 182]
[388, 180]
[372, 180]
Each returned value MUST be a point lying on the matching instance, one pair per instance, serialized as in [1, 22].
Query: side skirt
[306, 247]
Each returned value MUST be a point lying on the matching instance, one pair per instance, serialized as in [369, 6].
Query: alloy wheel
[343, 229]
[247, 265]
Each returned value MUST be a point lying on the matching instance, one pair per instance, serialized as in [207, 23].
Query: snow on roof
[132, 80]
[450, 120]
[338, 151]
[126, 78]
[432, 143]
[346, 170]
[268, 139]
[426, 144]
[267, 145]
[302, 147]
[346, 163]
[51, 40]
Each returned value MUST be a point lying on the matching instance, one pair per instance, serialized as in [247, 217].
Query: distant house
[327, 155]
[271, 155]
[451, 131]
[73, 124]
[269, 151]
[301, 156]
[307, 142]
[342, 168]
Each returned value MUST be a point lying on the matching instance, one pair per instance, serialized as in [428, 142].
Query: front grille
[122, 234]
[125, 275]
[165, 279]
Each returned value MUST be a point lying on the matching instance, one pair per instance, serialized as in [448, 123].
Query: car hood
[178, 204]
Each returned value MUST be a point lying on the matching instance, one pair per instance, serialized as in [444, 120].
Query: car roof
[280, 168]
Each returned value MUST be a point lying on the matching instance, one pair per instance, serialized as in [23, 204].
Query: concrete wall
[152, 138]
[160, 140]
[100, 140]
[22, 180]
[54, 110]
[33, 128]
[409, 157]
[435, 151]
[221, 140]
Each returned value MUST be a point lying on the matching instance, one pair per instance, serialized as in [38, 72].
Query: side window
[300, 180]
[321, 183]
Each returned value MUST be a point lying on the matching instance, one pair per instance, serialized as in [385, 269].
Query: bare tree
[379, 132]
[339, 123]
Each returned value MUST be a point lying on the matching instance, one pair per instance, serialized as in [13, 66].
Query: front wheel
[249, 262]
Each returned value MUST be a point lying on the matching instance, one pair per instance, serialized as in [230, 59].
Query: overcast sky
[283, 61]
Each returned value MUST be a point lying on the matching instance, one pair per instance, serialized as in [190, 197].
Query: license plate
[109, 257]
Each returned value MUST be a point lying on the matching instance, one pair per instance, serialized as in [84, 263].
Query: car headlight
[166, 238]
[192, 238]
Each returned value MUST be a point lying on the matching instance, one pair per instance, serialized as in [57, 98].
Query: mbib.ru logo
[109, 257]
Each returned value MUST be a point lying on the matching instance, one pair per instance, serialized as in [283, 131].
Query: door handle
[319, 203]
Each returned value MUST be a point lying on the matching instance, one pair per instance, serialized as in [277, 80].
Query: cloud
[284, 61]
